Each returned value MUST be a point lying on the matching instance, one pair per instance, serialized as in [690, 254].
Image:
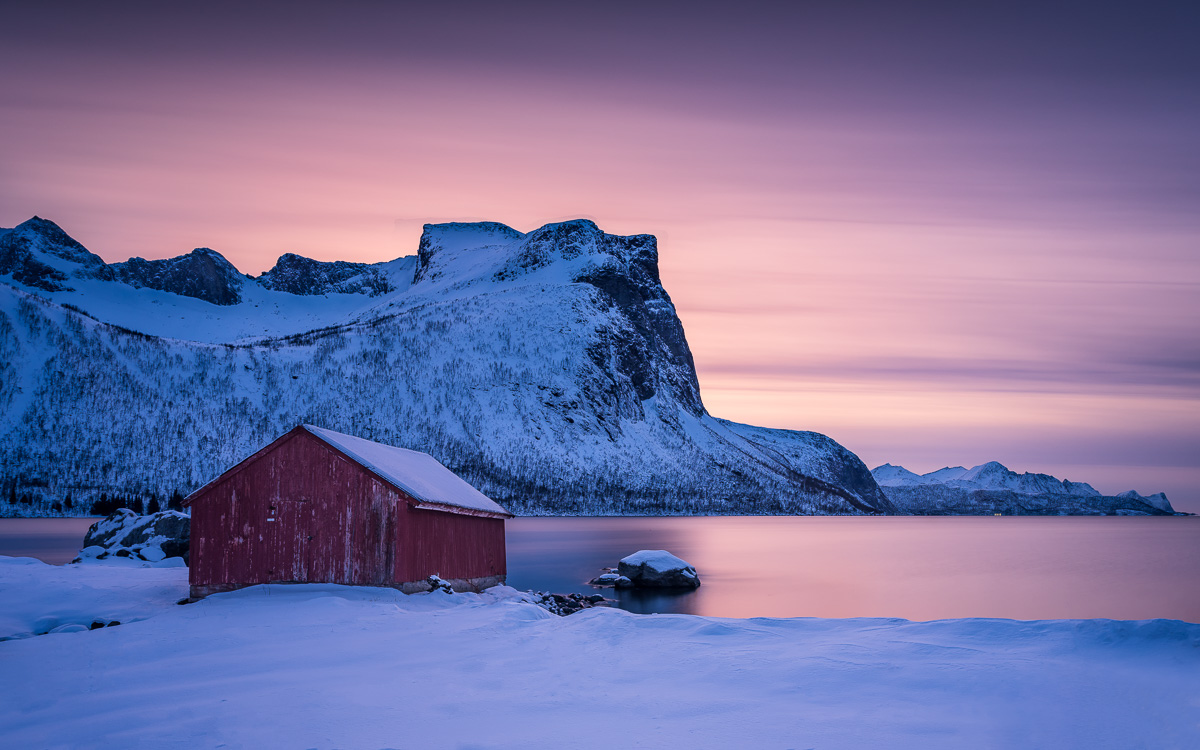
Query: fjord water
[917, 568]
[52, 540]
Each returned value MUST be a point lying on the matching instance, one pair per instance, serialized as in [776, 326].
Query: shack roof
[418, 474]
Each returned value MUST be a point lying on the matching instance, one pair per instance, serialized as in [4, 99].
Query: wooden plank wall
[450, 545]
[335, 522]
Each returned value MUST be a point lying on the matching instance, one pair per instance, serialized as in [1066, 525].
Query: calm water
[915, 568]
[52, 540]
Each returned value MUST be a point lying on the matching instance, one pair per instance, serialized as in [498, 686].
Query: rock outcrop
[152, 538]
[656, 568]
[203, 274]
[31, 254]
[296, 274]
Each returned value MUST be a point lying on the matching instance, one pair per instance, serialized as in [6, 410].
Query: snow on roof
[418, 474]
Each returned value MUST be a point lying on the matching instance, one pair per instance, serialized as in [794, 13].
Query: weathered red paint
[301, 511]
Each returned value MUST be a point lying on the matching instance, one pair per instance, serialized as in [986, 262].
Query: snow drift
[333, 666]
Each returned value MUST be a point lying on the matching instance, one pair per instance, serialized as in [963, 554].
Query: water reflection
[916, 568]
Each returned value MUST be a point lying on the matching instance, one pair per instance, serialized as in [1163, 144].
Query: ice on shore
[335, 666]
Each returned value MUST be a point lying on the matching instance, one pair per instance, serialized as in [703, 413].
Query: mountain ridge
[992, 487]
[548, 368]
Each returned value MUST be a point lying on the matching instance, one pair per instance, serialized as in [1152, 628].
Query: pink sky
[931, 252]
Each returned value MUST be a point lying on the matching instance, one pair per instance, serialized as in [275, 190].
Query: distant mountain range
[548, 368]
[992, 488]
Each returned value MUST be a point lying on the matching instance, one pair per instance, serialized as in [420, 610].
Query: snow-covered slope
[548, 368]
[993, 488]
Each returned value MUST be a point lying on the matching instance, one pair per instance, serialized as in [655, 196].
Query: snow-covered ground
[330, 666]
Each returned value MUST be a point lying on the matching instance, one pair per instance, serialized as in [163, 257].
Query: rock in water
[658, 568]
[607, 579]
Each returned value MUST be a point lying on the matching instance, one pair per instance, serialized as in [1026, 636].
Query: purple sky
[942, 233]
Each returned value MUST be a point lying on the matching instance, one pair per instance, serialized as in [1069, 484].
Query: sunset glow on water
[1024, 568]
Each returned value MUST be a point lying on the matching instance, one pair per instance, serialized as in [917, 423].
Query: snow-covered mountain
[548, 368]
[1157, 500]
[993, 488]
[990, 476]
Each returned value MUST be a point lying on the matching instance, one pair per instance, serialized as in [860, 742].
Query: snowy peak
[992, 475]
[945, 474]
[642, 340]
[992, 469]
[296, 274]
[455, 235]
[47, 237]
[202, 273]
[489, 252]
[896, 476]
[634, 255]
[1158, 500]
[439, 239]
[38, 254]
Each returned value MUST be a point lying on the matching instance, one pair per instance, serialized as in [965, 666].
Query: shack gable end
[296, 511]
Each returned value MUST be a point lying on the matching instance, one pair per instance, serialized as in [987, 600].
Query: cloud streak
[993, 201]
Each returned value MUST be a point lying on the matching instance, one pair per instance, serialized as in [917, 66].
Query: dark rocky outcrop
[296, 274]
[202, 273]
[628, 279]
[153, 537]
[49, 237]
[18, 262]
[20, 246]
[567, 604]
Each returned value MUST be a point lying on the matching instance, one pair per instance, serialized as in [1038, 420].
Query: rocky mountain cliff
[296, 274]
[993, 488]
[548, 368]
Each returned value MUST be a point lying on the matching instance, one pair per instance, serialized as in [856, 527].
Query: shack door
[288, 537]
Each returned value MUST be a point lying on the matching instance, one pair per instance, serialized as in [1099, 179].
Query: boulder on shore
[656, 568]
[611, 578]
[152, 538]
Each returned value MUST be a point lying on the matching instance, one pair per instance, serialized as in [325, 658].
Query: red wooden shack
[317, 506]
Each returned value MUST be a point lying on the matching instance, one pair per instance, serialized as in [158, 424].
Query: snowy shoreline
[333, 666]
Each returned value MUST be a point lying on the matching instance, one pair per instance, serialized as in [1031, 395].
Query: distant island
[548, 368]
[993, 489]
